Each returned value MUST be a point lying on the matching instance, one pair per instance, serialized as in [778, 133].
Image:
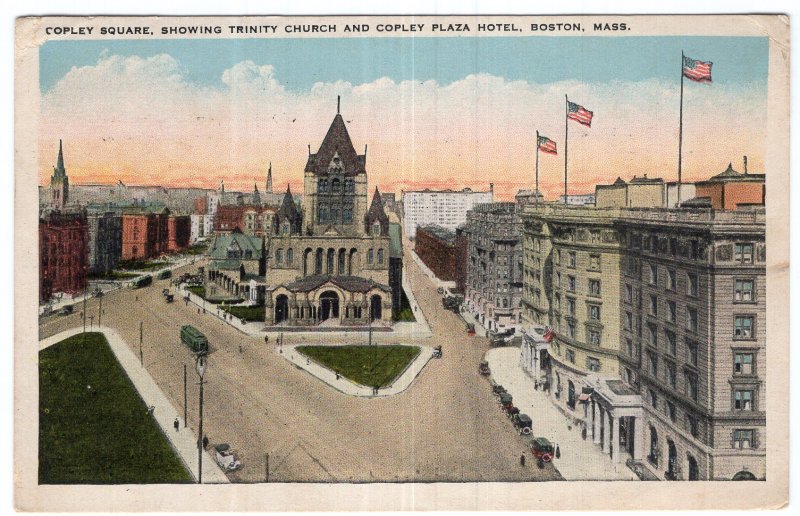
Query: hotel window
[672, 311]
[743, 400]
[592, 364]
[691, 386]
[570, 306]
[629, 376]
[653, 274]
[653, 304]
[743, 364]
[652, 331]
[671, 412]
[571, 329]
[671, 279]
[629, 346]
[672, 346]
[653, 398]
[594, 262]
[743, 253]
[594, 337]
[691, 352]
[628, 321]
[743, 290]
[743, 439]
[571, 283]
[628, 294]
[691, 287]
[594, 312]
[673, 246]
[692, 423]
[743, 326]
[672, 376]
[594, 287]
[691, 318]
[571, 356]
[653, 358]
[573, 260]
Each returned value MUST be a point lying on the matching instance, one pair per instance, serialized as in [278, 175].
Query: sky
[435, 112]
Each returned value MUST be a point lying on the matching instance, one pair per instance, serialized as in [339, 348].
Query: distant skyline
[435, 112]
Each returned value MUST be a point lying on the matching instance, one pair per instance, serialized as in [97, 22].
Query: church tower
[256, 195]
[335, 187]
[59, 182]
[269, 179]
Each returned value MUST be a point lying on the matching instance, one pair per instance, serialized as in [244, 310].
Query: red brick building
[63, 252]
[436, 247]
[730, 188]
[179, 232]
[200, 206]
[461, 258]
[145, 232]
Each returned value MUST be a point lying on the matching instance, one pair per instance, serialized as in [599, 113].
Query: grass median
[94, 427]
[372, 366]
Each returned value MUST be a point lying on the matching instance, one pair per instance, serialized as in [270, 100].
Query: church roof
[221, 243]
[337, 140]
[288, 209]
[376, 211]
[348, 283]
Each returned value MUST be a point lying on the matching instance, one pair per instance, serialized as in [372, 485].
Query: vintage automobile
[169, 298]
[498, 389]
[483, 369]
[523, 423]
[165, 274]
[471, 329]
[437, 352]
[542, 450]
[511, 411]
[226, 458]
[506, 400]
[144, 281]
[67, 310]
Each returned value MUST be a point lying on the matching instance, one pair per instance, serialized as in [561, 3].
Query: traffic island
[367, 371]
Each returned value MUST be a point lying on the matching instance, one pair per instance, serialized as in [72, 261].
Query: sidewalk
[580, 459]
[183, 442]
[347, 386]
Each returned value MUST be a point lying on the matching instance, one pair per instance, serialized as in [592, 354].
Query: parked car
[437, 352]
[144, 281]
[67, 310]
[523, 423]
[483, 369]
[542, 450]
[165, 274]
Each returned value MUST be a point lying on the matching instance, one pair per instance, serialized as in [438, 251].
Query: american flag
[548, 334]
[547, 145]
[579, 113]
[698, 71]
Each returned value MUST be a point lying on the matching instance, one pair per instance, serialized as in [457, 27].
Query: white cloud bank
[140, 120]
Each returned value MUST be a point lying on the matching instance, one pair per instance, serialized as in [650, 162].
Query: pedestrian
[558, 452]
[522, 460]
[198, 311]
[205, 442]
[176, 424]
[337, 375]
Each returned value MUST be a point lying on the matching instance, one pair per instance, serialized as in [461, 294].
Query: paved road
[446, 427]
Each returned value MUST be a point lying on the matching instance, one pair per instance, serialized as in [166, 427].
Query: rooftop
[443, 234]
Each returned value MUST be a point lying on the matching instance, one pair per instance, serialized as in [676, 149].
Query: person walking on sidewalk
[176, 424]
[522, 460]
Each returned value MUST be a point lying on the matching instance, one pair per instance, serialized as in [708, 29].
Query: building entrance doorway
[329, 305]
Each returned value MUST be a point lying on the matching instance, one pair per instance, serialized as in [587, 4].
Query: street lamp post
[141, 335]
[201, 370]
[100, 310]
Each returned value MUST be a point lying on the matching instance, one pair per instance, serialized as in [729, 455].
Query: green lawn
[197, 290]
[93, 426]
[113, 275]
[249, 313]
[196, 249]
[373, 366]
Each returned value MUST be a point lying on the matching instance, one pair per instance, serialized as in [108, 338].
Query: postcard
[401, 263]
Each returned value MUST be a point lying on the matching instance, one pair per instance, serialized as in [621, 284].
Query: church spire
[269, 179]
[59, 182]
[60, 163]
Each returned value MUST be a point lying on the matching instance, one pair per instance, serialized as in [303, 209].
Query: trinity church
[334, 261]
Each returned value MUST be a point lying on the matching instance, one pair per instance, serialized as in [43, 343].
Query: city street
[447, 426]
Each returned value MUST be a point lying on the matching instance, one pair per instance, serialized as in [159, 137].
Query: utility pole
[141, 335]
[100, 310]
[185, 403]
[266, 469]
[84, 316]
[201, 369]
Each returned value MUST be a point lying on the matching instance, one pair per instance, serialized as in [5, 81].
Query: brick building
[461, 258]
[435, 246]
[105, 240]
[179, 231]
[63, 252]
[250, 219]
[145, 232]
[729, 189]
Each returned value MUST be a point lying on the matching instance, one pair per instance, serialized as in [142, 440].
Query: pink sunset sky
[141, 121]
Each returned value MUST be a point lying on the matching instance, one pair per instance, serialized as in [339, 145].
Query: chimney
[745, 165]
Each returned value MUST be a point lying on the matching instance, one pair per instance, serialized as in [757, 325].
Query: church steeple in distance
[269, 179]
[59, 182]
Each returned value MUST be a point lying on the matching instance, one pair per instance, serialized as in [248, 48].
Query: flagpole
[536, 191]
[566, 140]
[680, 135]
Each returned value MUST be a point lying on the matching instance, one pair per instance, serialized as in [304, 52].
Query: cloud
[141, 120]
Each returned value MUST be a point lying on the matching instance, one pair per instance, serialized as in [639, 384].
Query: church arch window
[370, 256]
[323, 186]
[279, 256]
[376, 228]
[289, 256]
[347, 214]
[349, 186]
[336, 186]
[380, 256]
[330, 261]
[322, 214]
[286, 228]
